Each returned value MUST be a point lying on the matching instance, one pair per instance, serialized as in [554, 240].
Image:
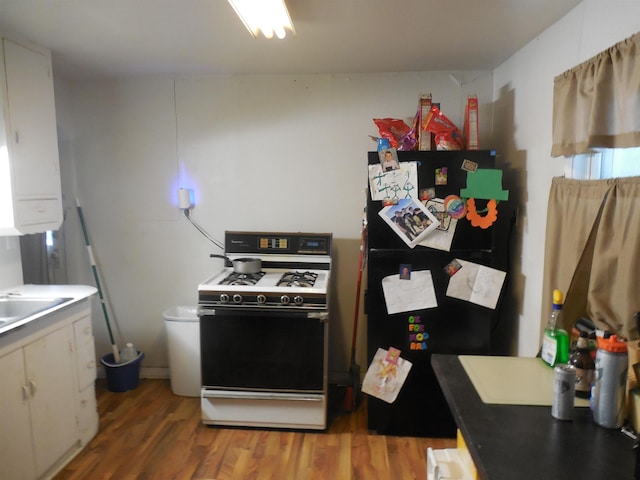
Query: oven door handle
[261, 396]
[322, 316]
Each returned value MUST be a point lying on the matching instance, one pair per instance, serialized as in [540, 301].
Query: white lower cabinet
[49, 365]
[46, 414]
[16, 451]
[86, 375]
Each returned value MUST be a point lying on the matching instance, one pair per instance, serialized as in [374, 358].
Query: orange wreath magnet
[479, 221]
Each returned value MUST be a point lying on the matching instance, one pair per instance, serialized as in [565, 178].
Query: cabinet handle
[25, 393]
[32, 387]
[17, 136]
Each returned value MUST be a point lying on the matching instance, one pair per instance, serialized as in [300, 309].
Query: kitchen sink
[15, 308]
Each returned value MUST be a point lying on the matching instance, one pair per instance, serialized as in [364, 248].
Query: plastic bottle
[584, 366]
[610, 384]
[555, 341]
[128, 353]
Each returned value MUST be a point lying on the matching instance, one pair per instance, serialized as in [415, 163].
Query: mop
[94, 269]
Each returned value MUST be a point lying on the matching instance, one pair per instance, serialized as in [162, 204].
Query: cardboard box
[471, 133]
[465, 456]
[424, 137]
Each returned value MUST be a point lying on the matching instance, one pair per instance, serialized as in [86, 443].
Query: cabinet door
[85, 353]
[16, 453]
[49, 365]
[32, 115]
[32, 202]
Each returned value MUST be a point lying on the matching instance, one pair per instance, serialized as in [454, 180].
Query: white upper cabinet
[30, 196]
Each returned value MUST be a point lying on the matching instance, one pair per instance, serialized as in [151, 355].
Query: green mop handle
[94, 269]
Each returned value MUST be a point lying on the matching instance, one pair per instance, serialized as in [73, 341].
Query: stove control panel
[263, 300]
[278, 243]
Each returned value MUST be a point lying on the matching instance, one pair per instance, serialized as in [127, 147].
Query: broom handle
[361, 263]
[94, 269]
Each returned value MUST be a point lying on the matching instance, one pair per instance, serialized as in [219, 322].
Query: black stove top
[235, 278]
[298, 279]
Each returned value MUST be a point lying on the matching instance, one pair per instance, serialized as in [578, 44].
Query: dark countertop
[526, 442]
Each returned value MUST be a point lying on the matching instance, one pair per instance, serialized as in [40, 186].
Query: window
[604, 163]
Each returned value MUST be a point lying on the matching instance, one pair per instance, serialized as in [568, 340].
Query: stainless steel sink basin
[17, 308]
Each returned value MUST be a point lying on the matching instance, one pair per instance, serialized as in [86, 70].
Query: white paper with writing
[476, 284]
[402, 295]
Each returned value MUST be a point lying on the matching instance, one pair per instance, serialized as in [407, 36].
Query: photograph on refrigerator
[410, 220]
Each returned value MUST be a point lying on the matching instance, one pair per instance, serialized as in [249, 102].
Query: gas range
[264, 336]
[295, 274]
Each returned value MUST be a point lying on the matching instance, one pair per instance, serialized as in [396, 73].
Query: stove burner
[297, 279]
[236, 278]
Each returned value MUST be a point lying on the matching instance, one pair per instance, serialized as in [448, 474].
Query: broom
[353, 390]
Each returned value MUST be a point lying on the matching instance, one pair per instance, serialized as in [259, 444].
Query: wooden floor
[149, 433]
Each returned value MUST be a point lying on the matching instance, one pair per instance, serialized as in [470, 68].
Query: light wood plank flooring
[149, 433]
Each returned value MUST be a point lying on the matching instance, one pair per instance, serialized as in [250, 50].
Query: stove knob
[224, 298]
[261, 299]
[237, 298]
[298, 300]
[284, 299]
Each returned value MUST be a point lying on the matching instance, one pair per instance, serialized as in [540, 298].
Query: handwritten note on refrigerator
[402, 295]
[476, 284]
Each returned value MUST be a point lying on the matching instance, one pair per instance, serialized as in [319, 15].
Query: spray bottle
[555, 341]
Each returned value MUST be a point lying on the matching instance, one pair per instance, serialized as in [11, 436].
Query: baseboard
[335, 378]
[145, 372]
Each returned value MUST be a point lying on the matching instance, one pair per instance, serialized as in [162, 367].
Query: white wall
[523, 92]
[279, 153]
[10, 262]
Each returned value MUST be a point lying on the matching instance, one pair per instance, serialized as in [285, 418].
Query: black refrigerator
[454, 326]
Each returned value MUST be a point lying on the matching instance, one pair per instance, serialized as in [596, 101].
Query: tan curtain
[592, 251]
[597, 103]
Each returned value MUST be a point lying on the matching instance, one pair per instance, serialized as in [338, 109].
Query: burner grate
[236, 278]
[298, 279]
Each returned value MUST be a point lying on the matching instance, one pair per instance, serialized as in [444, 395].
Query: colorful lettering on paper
[417, 336]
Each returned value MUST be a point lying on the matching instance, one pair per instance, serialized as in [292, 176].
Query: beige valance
[597, 103]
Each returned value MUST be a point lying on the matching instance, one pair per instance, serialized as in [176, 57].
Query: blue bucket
[122, 377]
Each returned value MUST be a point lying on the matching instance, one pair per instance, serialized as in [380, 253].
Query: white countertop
[74, 294]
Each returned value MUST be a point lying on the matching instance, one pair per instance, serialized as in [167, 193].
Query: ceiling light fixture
[270, 16]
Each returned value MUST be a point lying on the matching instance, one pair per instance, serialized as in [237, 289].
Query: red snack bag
[399, 134]
[447, 135]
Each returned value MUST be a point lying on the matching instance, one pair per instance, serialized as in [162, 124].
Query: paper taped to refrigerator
[384, 379]
[402, 295]
[442, 236]
[476, 284]
[395, 184]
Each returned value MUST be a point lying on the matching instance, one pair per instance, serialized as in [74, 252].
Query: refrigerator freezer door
[430, 165]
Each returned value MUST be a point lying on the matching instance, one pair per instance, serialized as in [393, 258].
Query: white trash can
[183, 342]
